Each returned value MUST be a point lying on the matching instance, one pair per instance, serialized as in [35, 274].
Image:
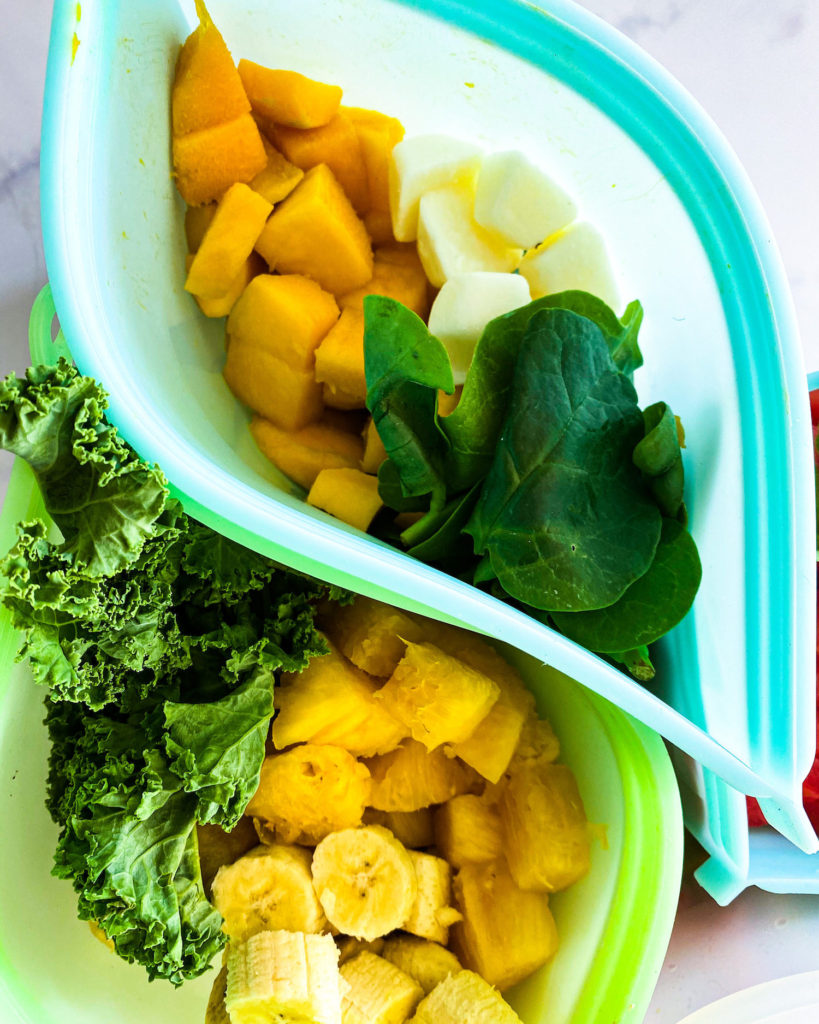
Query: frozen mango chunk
[207, 89]
[228, 241]
[378, 135]
[310, 791]
[197, 219]
[450, 240]
[371, 634]
[379, 226]
[520, 202]
[288, 98]
[316, 232]
[283, 394]
[221, 305]
[422, 163]
[397, 274]
[374, 451]
[302, 454]
[335, 144]
[413, 777]
[207, 162]
[440, 698]
[331, 701]
[575, 258]
[465, 305]
[347, 494]
[286, 315]
[340, 362]
[490, 902]
[278, 178]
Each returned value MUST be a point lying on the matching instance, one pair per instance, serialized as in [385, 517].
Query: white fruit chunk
[515, 199]
[465, 305]
[450, 241]
[422, 163]
[574, 259]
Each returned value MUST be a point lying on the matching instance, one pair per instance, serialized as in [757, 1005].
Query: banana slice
[431, 914]
[428, 962]
[284, 976]
[348, 947]
[365, 881]
[269, 888]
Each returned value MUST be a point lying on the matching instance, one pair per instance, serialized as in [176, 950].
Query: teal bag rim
[657, 113]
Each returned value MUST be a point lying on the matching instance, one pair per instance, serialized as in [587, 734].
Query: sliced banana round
[268, 889]
[365, 881]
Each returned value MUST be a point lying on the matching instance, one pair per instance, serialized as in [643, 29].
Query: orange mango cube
[397, 274]
[302, 454]
[278, 178]
[197, 219]
[271, 387]
[223, 304]
[335, 144]
[228, 241]
[377, 134]
[207, 89]
[340, 362]
[374, 451]
[347, 494]
[207, 162]
[316, 232]
[288, 98]
[285, 316]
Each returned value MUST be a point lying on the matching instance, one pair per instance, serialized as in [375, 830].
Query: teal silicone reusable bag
[734, 687]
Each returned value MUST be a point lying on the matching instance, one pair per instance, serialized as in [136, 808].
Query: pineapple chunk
[411, 777]
[378, 993]
[506, 933]
[468, 831]
[310, 791]
[517, 201]
[451, 242]
[428, 962]
[331, 701]
[573, 258]
[284, 976]
[347, 494]
[431, 914]
[537, 742]
[439, 698]
[371, 634]
[464, 997]
[412, 829]
[546, 837]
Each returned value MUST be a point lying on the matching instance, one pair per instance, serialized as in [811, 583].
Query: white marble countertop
[752, 66]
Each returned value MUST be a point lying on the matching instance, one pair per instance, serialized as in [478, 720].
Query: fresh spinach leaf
[439, 537]
[563, 514]
[650, 607]
[659, 459]
[404, 367]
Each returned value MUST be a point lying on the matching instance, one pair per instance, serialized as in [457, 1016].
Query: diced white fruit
[422, 163]
[574, 259]
[518, 201]
[466, 304]
[450, 241]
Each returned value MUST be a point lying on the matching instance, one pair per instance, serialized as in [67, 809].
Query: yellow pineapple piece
[412, 777]
[464, 997]
[310, 791]
[506, 933]
[537, 742]
[439, 698]
[332, 701]
[431, 914]
[378, 993]
[371, 634]
[412, 829]
[468, 831]
[546, 837]
[428, 962]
